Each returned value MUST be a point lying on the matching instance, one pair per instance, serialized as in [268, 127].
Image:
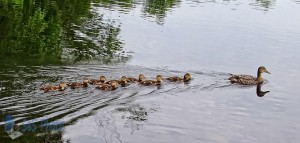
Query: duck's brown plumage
[104, 86]
[74, 85]
[101, 80]
[186, 77]
[140, 78]
[158, 81]
[248, 79]
[60, 87]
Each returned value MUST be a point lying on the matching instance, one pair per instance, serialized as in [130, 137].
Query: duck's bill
[267, 72]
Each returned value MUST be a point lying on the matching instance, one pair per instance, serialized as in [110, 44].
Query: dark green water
[45, 42]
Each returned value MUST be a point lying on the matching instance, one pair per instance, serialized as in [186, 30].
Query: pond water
[208, 39]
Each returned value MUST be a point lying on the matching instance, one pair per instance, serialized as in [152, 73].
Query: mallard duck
[131, 79]
[248, 79]
[260, 93]
[78, 85]
[111, 86]
[61, 86]
[102, 79]
[186, 78]
[158, 81]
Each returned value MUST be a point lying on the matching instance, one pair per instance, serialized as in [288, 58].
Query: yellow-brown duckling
[111, 86]
[78, 85]
[141, 78]
[60, 87]
[186, 78]
[122, 81]
[102, 79]
[248, 79]
[158, 81]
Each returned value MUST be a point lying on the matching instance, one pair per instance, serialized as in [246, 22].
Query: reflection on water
[264, 5]
[54, 28]
[169, 37]
[259, 92]
[159, 8]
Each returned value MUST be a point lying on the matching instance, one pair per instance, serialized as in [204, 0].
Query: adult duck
[248, 79]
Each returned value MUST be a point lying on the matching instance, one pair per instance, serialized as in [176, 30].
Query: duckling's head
[62, 86]
[141, 77]
[85, 82]
[187, 77]
[102, 79]
[262, 69]
[113, 84]
[123, 79]
[159, 78]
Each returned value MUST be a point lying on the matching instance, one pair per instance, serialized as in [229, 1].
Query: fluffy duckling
[158, 81]
[111, 86]
[248, 79]
[78, 85]
[186, 78]
[60, 87]
[101, 80]
[122, 81]
[141, 78]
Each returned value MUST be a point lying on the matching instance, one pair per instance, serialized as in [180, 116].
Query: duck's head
[61, 86]
[186, 77]
[141, 77]
[123, 79]
[263, 69]
[114, 84]
[102, 79]
[159, 78]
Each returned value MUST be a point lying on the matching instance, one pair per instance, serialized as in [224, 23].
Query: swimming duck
[186, 78]
[102, 79]
[60, 87]
[78, 85]
[111, 86]
[141, 78]
[158, 81]
[248, 79]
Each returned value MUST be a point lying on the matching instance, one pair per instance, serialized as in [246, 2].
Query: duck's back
[243, 79]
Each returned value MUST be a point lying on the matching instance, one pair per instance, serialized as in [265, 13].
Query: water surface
[208, 39]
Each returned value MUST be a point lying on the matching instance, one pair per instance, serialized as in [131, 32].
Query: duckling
[158, 81]
[122, 81]
[248, 79]
[78, 85]
[186, 78]
[60, 87]
[141, 78]
[101, 80]
[111, 86]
